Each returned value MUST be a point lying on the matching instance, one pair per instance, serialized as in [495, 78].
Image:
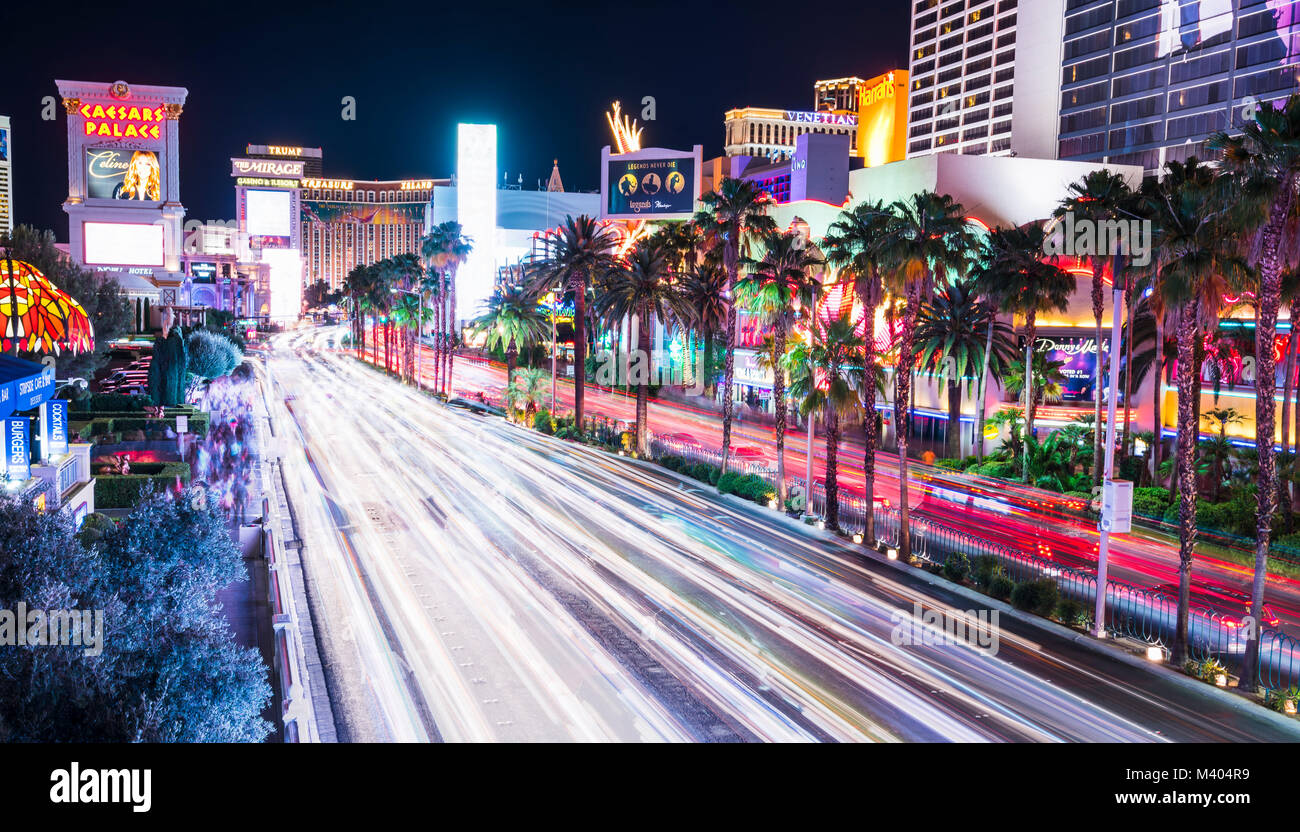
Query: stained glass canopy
[38, 316]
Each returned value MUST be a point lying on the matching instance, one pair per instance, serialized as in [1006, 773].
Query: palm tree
[951, 333]
[643, 290]
[410, 314]
[512, 322]
[779, 284]
[824, 378]
[732, 215]
[1014, 274]
[704, 290]
[928, 239]
[1097, 198]
[575, 257]
[446, 249]
[855, 244]
[1195, 238]
[360, 285]
[527, 387]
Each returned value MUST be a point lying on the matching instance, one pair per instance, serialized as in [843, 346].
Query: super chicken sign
[122, 121]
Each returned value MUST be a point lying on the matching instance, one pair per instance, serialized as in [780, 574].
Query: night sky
[274, 73]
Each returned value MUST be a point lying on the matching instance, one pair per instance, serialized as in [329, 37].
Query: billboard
[4, 144]
[1078, 357]
[268, 217]
[650, 184]
[122, 244]
[476, 211]
[113, 173]
[286, 283]
[54, 427]
[882, 118]
[204, 271]
[18, 439]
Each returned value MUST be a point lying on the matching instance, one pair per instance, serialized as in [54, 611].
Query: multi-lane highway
[1029, 520]
[477, 581]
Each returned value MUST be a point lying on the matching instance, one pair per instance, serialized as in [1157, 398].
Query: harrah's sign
[878, 92]
[265, 167]
[121, 121]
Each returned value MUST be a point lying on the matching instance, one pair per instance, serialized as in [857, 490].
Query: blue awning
[23, 384]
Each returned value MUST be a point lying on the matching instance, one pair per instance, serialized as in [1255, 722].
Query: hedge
[124, 491]
[746, 486]
[199, 421]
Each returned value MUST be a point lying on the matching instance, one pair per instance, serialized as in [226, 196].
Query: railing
[1132, 611]
[295, 700]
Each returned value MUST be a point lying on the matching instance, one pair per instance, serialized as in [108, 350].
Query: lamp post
[1112, 391]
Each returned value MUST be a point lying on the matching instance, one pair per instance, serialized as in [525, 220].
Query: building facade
[755, 131]
[346, 223]
[983, 77]
[1148, 81]
[6, 176]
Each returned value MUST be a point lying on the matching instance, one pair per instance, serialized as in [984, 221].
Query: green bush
[1047, 482]
[117, 491]
[542, 422]
[1152, 502]
[1039, 597]
[1000, 586]
[956, 567]
[117, 402]
[997, 469]
[746, 486]
[950, 464]
[703, 472]
[1131, 468]
[672, 463]
[983, 570]
[1072, 612]
[94, 527]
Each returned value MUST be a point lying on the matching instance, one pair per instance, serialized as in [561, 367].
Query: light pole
[1112, 391]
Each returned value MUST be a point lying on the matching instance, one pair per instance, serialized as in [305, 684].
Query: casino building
[6, 176]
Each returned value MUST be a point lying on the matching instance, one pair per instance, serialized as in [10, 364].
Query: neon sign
[878, 92]
[282, 150]
[241, 167]
[340, 184]
[119, 121]
[821, 118]
[262, 182]
[417, 184]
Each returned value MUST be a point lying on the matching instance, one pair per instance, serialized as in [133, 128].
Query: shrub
[118, 402]
[984, 569]
[1131, 468]
[1277, 699]
[672, 463]
[1000, 586]
[950, 464]
[94, 527]
[1047, 482]
[212, 355]
[1151, 502]
[542, 422]
[1071, 612]
[956, 567]
[1206, 670]
[1039, 597]
[118, 491]
[997, 469]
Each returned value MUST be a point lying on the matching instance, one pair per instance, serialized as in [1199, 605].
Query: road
[475, 581]
[1030, 520]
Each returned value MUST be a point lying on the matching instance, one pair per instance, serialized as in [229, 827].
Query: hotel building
[6, 176]
[1148, 81]
[984, 77]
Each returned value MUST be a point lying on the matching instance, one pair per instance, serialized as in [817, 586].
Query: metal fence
[1135, 612]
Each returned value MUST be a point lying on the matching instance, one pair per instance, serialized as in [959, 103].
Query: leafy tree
[733, 215]
[512, 322]
[526, 389]
[779, 284]
[445, 249]
[212, 355]
[169, 670]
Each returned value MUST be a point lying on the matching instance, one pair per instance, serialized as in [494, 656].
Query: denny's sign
[122, 121]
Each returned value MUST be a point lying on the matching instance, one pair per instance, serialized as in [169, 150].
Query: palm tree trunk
[512, 360]
[869, 433]
[1186, 474]
[981, 393]
[1031, 335]
[729, 367]
[1270, 300]
[953, 438]
[902, 419]
[778, 400]
[578, 287]
[1287, 385]
[1097, 309]
[832, 468]
[1158, 400]
[1128, 362]
[452, 333]
[643, 387]
[711, 384]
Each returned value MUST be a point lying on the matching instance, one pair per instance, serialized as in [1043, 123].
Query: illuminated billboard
[122, 244]
[650, 184]
[1078, 357]
[285, 283]
[116, 120]
[882, 118]
[112, 173]
[268, 217]
[476, 211]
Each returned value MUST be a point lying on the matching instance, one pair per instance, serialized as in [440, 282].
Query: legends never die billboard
[651, 187]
